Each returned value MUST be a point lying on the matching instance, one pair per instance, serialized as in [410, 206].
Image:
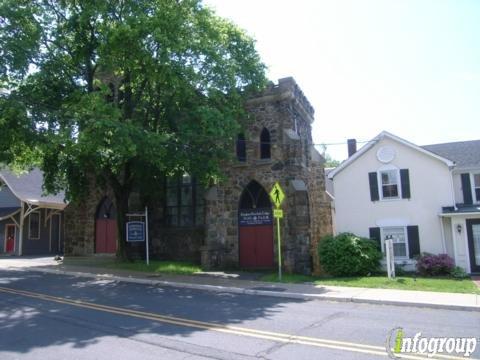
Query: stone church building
[230, 225]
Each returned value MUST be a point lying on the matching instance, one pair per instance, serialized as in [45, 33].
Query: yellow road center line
[235, 330]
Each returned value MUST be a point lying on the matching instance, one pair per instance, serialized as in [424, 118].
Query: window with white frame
[34, 225]
[476, 186]
[400, 244]
[389, 182]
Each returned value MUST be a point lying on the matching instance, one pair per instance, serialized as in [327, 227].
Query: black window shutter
[467, 189]
[413, 241]
[372, 178]
[405, 180]
[375, 235]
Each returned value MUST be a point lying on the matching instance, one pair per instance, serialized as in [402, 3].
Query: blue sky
[411, 67]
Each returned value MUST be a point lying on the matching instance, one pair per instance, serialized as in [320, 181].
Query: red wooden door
[248, 258]
[256, 247]
[255, 228]
[10, 243]
[106, 236]
[264, 246]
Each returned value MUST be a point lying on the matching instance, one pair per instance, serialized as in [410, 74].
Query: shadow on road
[27, 323]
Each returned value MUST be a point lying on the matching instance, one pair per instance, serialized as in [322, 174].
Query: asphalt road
[61, 317]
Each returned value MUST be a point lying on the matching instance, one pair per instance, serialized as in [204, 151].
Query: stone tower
[276, 146]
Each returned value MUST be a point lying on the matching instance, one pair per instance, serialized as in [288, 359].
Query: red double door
[256, 247]
[105, 236]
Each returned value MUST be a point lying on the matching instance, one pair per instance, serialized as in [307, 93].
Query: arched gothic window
[265, 144]
[241, 148]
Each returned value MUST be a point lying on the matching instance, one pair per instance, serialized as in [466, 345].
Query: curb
[237, 290]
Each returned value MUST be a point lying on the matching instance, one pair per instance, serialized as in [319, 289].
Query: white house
[425, 198]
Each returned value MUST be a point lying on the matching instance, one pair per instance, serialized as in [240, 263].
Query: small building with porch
[31, 223]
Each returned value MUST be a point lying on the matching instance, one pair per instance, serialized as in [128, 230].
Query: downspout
[444, 244]
[453, 189]
[20, 235]
[454, 238]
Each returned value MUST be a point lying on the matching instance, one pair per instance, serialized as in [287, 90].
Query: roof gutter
[460, 214]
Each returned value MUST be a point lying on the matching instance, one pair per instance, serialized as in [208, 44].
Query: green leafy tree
[120, 90]
[329, 161]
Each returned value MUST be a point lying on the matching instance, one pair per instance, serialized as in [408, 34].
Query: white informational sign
[138, 231]
[390, 258]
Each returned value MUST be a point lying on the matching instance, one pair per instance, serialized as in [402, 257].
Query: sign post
[137, 231]
[390, 258]
[147, 253]
[277, 195]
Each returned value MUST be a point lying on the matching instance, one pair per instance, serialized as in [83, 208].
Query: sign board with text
[255, 217]
[135, 231]
[278, 213]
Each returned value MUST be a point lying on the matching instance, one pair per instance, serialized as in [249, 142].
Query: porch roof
[7, 212]
[461, 210]
[28, 188]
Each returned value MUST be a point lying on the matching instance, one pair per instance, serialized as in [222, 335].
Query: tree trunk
[121, 199]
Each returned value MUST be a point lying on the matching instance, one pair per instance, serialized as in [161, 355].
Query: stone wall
[80, 221]
[294, 163]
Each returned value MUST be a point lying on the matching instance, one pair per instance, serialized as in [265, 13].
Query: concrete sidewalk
[246, 284]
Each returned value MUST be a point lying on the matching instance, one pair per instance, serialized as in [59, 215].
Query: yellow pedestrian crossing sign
[277, 195]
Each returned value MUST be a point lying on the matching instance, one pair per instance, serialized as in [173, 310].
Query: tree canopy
[123, 90]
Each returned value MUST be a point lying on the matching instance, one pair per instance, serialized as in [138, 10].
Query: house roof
[329, 183]
[466, 154]
[375, 140]
[28, 188]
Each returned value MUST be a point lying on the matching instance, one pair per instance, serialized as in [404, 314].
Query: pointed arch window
[265, 144]
[241, 148]
[254, 196]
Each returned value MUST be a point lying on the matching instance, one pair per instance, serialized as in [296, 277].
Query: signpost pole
[277, 196]
[146, 237]
[390, 258]
[389, 268]
[279, 249]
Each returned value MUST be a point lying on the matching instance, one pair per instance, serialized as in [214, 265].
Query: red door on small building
[106, 228]
[255, 228]
[10, 239]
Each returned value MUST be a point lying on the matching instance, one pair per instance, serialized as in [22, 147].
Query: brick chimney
[352, 146]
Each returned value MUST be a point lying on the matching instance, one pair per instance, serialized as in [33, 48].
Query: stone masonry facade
[285, 112]
[80, 221]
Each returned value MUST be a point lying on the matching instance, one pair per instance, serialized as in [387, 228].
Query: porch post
[20, 235]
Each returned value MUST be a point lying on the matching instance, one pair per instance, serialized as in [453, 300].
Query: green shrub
[399, 270]
[458, 273]
[348, 255]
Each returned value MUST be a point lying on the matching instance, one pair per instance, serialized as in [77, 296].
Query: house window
[389, 184]
[265, 144]
[34, 225]
[400, 243]
[241, 148]
[184, 202]
[476, 186]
